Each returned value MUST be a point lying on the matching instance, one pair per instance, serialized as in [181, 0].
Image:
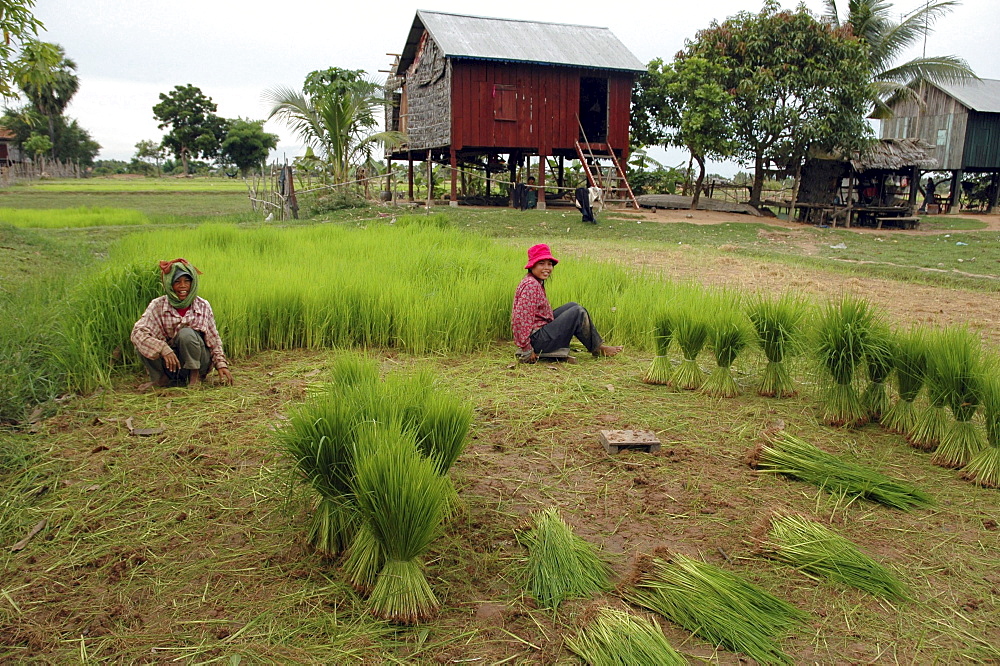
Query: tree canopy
[794, 83]
[885, 39]
[246, 144]
[69, 141]
[195, 130]
[47, 78]
[18, 25]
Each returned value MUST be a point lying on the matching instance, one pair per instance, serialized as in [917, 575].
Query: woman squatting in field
[176, 336]
[539, 329]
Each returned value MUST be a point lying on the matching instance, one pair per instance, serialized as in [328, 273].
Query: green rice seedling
[778, 325]
[820, 553]
[618, 638]
[842, 338]
[879, 356]
[957, 369]
[660, 369]
[910, 364]
[402, 498]
[718, 606]
[793, 457]
[729, 334]
[64, 218]
[984, 468]
[560, 564]
[691, 332]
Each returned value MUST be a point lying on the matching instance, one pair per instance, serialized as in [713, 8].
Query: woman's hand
[227, 377]
[171, 361]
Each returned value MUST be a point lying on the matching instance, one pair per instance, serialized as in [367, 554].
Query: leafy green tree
[70, 142]
[195, 130]
[247, 144]
[48, 79]
[684, 104]
[885, 39]
[794, 84]
[334, 115]
[37, 145]
[18, 25]
[146, 151]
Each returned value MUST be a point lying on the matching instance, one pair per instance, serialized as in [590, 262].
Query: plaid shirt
[160, 322]
[531, 311]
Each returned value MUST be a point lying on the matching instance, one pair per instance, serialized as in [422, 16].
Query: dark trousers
[191, 350]
[570, 320]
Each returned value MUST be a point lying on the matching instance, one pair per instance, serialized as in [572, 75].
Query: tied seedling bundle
[778, 327]
[716, 605]
[402, 498]
[691, 334]
[957, 369]
[910, 362]
[729, 335]
[843, 335]
[793, 457]
[560, 564]
[660, 370]
[932, 421]
[984, 468]
[879, 356]
[618, 638]
[820, 553]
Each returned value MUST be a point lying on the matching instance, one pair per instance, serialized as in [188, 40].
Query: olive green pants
[191, 350]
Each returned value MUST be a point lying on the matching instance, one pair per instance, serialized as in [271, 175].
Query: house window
[504, 102]
[942, 137]
[905, 131]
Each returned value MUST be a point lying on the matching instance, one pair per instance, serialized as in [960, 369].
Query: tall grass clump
[879, 357]
[402, 498]
[716, 605]
[660, 369]
[618, 638]
[910, 363]
[984, 468]
[65, 218]
[729, 334]
[932, 421]
[560, 564]
[957, 367]
[777, 323]
[791, 456]
[843, 334]
[820, 553]
[691, 330]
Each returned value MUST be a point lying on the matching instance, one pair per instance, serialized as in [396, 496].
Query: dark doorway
[594, 109]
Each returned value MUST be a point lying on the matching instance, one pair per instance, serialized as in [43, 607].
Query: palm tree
[340, 127]
[47, 78]
[871, 21]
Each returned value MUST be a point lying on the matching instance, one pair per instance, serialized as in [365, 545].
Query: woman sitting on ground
[176, 336]
[538, 329]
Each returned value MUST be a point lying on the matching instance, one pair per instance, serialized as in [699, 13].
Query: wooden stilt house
[961, 121]
[487, 95]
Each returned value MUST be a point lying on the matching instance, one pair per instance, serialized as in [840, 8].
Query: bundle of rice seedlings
[793, 457]
[729, 335]
[442, 427]
[984, 468]
[842, 337]
[560, 564]
[778, 325]
[402, 498]
[879, 358]
[618, 638]
[957, 368]
[910, 363]
[663, 332]
[717, 606]
[820, 553]
[691, 333]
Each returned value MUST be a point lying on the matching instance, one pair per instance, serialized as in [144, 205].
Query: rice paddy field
[174, 525]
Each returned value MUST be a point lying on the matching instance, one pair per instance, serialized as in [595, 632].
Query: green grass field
[187, 545]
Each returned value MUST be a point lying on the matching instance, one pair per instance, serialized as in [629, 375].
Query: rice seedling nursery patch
[61, 218]
[189, 545]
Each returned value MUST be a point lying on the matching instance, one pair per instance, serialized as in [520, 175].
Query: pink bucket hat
[538, 253]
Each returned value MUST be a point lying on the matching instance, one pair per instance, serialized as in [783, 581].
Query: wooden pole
[430, 180]
[994, 193]
[541, 182]
[914, 185]
[409, 174]
[454, 178]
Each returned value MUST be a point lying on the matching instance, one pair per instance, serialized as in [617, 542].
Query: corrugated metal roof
[481, 38]
[982, 95]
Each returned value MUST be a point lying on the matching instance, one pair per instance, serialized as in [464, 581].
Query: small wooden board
[616, 440]
[902, 222]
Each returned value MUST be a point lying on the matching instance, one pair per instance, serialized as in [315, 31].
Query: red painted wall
[533, 107]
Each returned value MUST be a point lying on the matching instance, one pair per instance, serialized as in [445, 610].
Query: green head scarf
[169, 271]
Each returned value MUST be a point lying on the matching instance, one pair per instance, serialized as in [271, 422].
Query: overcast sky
[129, 51]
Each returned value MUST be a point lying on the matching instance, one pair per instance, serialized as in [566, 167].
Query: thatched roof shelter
[896, 154]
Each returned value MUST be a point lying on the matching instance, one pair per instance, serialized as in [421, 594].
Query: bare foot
[161, 382]
[607, 350]
[194, 378]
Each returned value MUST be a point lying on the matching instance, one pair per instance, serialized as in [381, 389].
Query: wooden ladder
[610, 177]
